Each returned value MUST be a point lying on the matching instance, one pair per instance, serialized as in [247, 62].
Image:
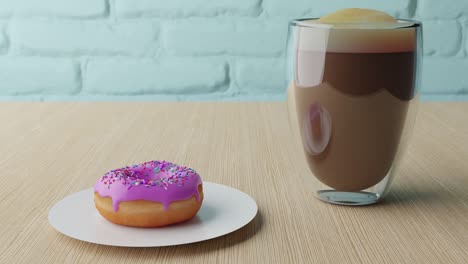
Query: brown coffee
[351, 114]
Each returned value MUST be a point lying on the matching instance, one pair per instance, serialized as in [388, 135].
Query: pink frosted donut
[155, 193]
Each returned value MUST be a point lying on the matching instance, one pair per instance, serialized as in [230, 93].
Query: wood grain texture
[50, 150]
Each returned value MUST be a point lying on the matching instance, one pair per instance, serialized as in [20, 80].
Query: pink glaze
[157, 181]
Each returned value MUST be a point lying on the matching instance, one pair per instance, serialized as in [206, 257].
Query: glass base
[348, 198]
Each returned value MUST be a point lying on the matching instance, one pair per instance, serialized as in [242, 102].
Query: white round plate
[224, 210]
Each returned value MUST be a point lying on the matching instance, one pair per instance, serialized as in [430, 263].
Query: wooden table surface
[50, 150]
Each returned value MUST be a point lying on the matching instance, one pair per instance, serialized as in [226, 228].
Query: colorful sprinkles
[150, 174]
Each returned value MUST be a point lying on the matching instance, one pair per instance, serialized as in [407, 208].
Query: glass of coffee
[353, 86]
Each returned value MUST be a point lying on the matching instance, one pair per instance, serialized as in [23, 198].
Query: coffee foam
[357, 15]
[366, 37]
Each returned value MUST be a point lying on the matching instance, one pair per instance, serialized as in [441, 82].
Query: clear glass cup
[352, 97]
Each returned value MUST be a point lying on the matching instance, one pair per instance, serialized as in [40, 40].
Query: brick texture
[192, 48]
[38, 75]
[3, 39]
[445, 76]
[83, 37]
[137, 76]
[442, 38]
[316, 8]
[261, 76]
[242, 37]
[66, 8]
[184, 8]
[432, 9]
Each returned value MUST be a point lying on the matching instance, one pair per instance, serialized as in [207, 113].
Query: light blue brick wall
[191, 49]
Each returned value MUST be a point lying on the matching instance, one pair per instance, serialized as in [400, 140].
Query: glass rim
[405, 23]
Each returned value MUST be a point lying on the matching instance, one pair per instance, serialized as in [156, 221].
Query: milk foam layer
[361, 31]
[357, 15]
